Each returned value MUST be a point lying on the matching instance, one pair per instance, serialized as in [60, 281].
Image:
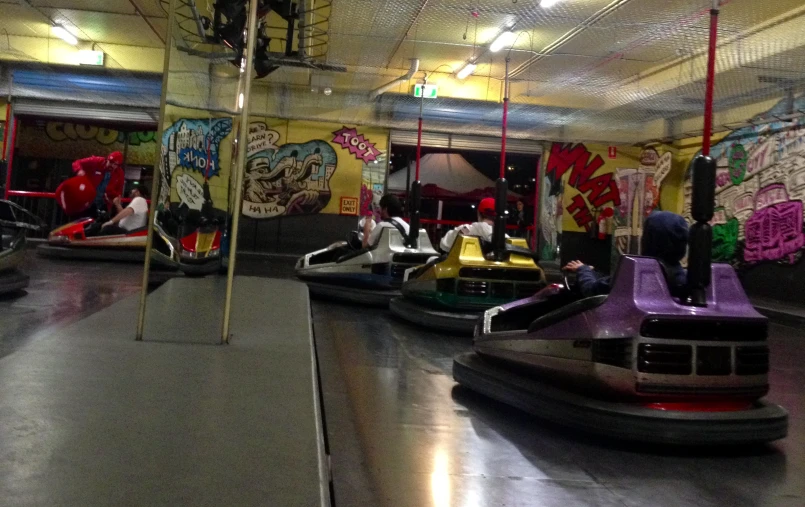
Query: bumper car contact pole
[157, 178]
[501, 190]
[240, 166]
[704, 188]
[416, 186]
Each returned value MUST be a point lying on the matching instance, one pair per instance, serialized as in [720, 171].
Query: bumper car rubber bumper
[763, 422]
[13, 280]
[459, 322]
[371, 297]
[211, 266]
[91, 254]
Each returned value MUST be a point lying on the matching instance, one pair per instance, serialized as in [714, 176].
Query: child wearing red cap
[482, 228]
[106, 175]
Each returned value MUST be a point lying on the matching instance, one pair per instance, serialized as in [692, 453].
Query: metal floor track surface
[90, 416]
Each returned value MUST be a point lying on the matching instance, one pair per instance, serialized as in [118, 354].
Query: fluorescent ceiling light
[547, 4]
[240, 101]
[64, 35]
[503, 40]
[466, 71]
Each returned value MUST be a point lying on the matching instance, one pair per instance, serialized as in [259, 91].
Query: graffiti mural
[599, 190]
[356, 143]
[71, 141]
[760, 189]
[639, 190]
[774, 231]
[287, 179]
[62, 131]
[372, 186]
[191, 145]
[550, 219]
[725, 235]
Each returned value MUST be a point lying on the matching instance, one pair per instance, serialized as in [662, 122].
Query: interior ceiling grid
[611, 65]
[641, 62]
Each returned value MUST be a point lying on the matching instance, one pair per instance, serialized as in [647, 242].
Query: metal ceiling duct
[398, 107]
[388, 86]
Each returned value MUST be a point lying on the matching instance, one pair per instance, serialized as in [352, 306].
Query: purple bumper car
[637, 364]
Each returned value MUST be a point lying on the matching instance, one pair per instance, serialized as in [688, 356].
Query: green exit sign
[89, 57]
[426, 90]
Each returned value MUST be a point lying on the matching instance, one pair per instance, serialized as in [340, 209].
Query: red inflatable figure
[106, 175]
[75, 195]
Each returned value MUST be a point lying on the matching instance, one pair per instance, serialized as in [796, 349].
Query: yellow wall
[300, 167]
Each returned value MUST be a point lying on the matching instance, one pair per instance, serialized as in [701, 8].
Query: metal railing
[42, 205]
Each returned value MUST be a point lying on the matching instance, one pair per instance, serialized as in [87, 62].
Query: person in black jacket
[665, 237]
[519, 219]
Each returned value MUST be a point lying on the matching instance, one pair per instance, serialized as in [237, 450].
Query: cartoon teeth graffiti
[292, 179]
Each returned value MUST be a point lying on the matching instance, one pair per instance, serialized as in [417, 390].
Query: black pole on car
[704, 189]
[416, 186]
[501, 186]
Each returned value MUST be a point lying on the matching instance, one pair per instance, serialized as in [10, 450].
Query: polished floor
[402, 434]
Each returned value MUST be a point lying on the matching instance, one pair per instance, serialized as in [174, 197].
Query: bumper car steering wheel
[353, 240]
[569, 281]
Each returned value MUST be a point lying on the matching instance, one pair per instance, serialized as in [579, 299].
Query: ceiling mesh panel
[620, 71]
[623, 70]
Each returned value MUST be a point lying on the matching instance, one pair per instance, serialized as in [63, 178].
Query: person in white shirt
[133, 216]
[482, 228]
[390, 211]
[362, 225]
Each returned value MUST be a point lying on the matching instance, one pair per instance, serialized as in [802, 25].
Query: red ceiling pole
[505, 121]
[501, 187]
[419, 131]
[10, 161]
[711, 72]
[416, 186]
[536, 205]
[418, 144]
[5, 132]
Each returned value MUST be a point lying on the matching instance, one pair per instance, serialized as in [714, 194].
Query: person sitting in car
[482, 228]
[665, 237]
[391, 217]
[134, 216]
